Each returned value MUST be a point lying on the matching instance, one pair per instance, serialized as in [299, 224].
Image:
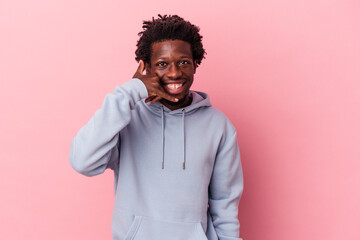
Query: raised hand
[153, 85]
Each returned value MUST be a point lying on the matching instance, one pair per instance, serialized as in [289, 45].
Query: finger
[148, 99]
[141, 67]
[161, 93]
[157, 98]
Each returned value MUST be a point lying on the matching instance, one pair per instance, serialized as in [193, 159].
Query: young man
[175, 158]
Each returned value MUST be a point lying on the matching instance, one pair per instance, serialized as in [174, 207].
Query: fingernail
[176, 99]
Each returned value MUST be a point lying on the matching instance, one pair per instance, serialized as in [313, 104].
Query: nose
[173, 72]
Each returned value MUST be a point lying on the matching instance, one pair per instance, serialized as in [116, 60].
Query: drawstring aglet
[162, 165]
[183, 165]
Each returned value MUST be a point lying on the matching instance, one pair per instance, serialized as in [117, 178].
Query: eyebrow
[180, 57]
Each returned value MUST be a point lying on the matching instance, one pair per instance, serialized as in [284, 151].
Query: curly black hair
[170, 27]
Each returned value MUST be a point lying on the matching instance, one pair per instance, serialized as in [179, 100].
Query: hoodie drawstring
[163, 136]
[183, 125]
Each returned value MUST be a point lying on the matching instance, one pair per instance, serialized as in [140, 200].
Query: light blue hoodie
[178, 174]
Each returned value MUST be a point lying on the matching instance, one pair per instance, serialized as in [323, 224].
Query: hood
[199, 100]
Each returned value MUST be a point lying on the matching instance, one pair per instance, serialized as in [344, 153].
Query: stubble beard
[185, 101]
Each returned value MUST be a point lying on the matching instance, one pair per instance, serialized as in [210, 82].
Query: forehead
[171, 48]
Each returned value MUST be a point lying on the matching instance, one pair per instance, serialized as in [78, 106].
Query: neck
[184, 102]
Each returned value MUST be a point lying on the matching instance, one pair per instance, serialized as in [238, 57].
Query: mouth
[174, 88]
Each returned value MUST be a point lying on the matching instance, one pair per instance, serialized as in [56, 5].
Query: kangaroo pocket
[148, 228]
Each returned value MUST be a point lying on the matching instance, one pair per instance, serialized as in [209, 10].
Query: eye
[183, 62]
[161, 64]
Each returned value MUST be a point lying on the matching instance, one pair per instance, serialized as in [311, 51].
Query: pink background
[286, 73]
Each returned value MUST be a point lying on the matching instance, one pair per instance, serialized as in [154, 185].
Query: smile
[174, 88]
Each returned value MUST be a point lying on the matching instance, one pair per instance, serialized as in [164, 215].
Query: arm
[95, 147]
[225, 189]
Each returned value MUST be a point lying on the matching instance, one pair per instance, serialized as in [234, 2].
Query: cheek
[189, 73]
[159, 73]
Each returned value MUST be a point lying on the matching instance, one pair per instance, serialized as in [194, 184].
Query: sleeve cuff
[136, 88]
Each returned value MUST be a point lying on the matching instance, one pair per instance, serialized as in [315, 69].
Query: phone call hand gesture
[153, 85]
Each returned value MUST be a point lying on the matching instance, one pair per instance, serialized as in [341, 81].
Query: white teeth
[174, 86]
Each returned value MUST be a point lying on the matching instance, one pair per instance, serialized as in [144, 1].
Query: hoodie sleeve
[225, 189]
[96, 145]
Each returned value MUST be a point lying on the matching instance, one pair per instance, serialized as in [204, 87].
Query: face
[173, 63]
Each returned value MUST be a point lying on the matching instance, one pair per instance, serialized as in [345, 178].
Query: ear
[147, 68]
[195, 66]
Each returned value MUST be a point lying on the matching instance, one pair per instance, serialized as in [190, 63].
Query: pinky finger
[157, 98]
[148, 99]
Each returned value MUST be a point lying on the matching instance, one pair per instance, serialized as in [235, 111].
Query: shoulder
[215, 117]
[218, 122]
[220, 116]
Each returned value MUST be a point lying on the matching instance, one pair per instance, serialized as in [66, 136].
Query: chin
[180, 102]
[181, 97]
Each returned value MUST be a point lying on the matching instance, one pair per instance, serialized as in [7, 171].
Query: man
[175, 158]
